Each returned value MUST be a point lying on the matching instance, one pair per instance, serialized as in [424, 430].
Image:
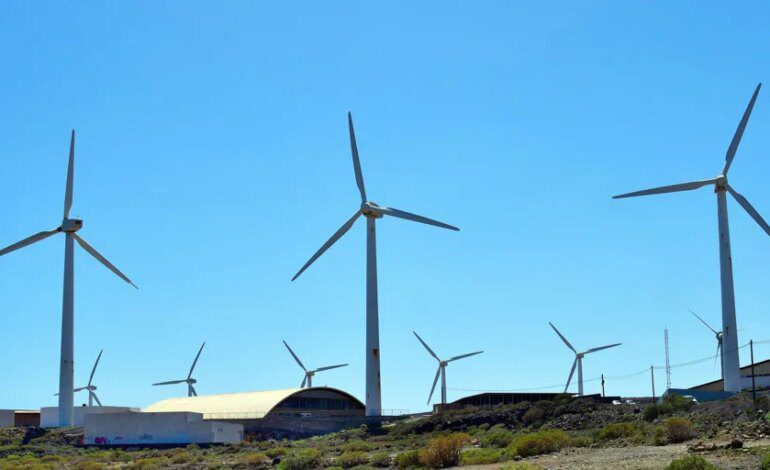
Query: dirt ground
[637, 458]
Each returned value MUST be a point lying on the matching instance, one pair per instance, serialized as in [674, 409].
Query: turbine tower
[578, 360]
[372, 212]
[730, 361]
[719, 336]
[308, 379]
[190, 381]
[442, 369]
[91, 388]
[69, 227]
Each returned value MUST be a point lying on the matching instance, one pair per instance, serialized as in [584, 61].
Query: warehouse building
[509, 398]
[761, 379]
[294, 412]
[19, 418]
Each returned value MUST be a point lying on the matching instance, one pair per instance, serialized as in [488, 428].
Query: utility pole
[603, 382]
[753, 383]
[652, 379]
[668, 363]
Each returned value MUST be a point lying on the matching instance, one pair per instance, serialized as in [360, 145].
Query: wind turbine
[189, 380]
[719, 337]
[69, 227]
[578, 360]
[372, 212]
[442, 369]
[91, 388]
[730, 359]
[309, 373]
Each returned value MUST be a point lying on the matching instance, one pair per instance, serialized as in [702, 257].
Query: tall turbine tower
[69, 227]
[578, 362]
[372, 212]
[731, 361]
[442, 369]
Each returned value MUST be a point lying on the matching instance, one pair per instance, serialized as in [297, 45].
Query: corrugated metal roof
[256, 404]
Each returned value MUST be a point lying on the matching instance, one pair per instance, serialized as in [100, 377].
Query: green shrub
[276, 452]
[482, 427]
[616, 431]
[651, 413]
[522, 466]
[363, 467]
[443, 451]
[357, 445]
[541, 442]
[351, 458]
[482, 456]
[691, 462]
[673, 403]
[765, 462]
[533, 415]
[306, 459]
[408, 459]
[256, 459]
[678, 430]
[380, 459]
[498, 437]
[659, 437]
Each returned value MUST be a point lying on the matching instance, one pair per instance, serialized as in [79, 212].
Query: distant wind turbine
[308, 379]
[69, 227]
[90, 387]
[442, 369]
[719, 337]
[372, 212]
[730, 359]
[190, 381]
[578, 360]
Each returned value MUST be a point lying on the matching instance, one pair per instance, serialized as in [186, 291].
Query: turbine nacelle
[720, 183]
[370, 209]
[71, 225]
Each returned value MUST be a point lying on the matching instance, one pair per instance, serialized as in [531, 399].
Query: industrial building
[761, 379]
[19, 418]
[509, 398]
[293, 412]
[152, 429]
[49, 415]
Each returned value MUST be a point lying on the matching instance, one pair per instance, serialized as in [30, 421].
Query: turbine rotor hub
[71, 225]
[720, 183]
[370, 209]
[192, 381]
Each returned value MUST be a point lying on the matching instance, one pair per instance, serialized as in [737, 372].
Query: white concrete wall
[159, 428]
[49, 416]
[7, 418]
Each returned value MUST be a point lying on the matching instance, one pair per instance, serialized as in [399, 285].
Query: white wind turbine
[730, 359]
[309, 373]
[372, 212]
[442, 369]
[90, 387]
[578, 360]
[69, 227]
[190, 381]
[719, 337]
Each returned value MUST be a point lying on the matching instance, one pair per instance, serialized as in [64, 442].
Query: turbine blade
[171, 382]
[196, 360]
[79, 389]
[356, 161]
[414, 217]
[562, 338]
[70, 177]
[571, 373]
[704, 322]
[716, 358]
[96, 399]
[602, 347]
[426, 346]
[91, 378]
[462, 356]
[739, 132]
[330, 367]
[28, 241]
[304, 381]
[667, 189]
[92, 251]
[750, 209]
[295, 356]
[192, 390]
[435, 381]
[337, 235]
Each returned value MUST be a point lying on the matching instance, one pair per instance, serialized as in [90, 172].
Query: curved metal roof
[253, 403]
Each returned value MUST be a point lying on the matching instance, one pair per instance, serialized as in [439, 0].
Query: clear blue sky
[213, 160]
